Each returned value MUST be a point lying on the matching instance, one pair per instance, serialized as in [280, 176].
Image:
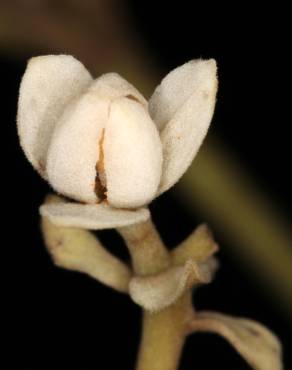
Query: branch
[199, 245]
[256, 344]
[79, 250]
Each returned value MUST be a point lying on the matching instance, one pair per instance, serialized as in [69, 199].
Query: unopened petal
[47, 86]
[112, 86]
[132, 155]
[182, 106]
[92, 216]
[75, 148]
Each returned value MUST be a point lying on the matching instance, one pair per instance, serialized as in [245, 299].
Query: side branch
[79, 250]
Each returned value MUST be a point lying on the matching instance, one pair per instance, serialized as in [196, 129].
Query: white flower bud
[106, 146]
[95, 140]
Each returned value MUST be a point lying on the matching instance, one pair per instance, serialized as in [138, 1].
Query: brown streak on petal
[100, 179]
[59, 243]
[132, 97]
[254, 332]
[41, 167]
[205, 95]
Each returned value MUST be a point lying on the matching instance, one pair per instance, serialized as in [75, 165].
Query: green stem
[164, 335]
[164, 332]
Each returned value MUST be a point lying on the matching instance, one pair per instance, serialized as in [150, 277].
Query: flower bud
[105, 148]
[98, 141]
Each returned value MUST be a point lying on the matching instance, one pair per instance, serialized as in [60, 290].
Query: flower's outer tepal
[182, 107]
[92, 216]
[47, 86]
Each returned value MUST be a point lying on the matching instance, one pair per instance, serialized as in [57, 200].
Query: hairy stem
[164, 332]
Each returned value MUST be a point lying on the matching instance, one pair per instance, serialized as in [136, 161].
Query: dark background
[56, 317]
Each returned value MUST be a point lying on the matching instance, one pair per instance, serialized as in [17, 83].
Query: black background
[58, 318]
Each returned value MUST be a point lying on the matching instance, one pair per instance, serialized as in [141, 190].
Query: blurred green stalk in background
[222, 191]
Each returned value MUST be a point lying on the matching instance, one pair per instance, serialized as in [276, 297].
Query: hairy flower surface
[99, 141]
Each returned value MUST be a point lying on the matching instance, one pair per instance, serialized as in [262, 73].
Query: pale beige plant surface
[109, 153]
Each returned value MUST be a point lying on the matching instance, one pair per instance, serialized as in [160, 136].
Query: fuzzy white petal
[92, 216]
[132, 155]
[47, 86]
[112, 86]
[182, 106]
[75, 147]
